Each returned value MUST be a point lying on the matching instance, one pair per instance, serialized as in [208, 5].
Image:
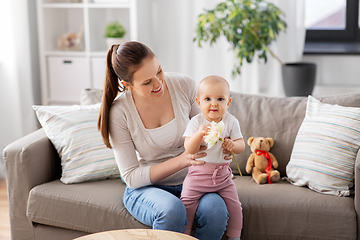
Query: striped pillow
[74, 134]
[325, 149]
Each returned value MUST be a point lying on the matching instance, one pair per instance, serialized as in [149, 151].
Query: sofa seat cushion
[89, 207]
[283, 211]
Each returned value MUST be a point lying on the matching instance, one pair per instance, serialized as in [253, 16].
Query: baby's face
[213, 100]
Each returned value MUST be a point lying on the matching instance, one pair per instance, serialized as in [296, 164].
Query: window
[332, 25]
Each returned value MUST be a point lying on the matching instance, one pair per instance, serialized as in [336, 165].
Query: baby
[215, 175]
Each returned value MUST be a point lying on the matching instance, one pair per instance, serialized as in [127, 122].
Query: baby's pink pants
[212, 177]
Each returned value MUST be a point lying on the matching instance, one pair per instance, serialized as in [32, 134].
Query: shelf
[98, 54]
[108, 1]
[109, 5]
[65, 53]
[99, 18]
[63, 5]
[89, 5]
[76, 54]
[66, 71]
[59, 22]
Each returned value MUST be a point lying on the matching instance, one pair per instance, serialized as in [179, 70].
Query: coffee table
[137, 234]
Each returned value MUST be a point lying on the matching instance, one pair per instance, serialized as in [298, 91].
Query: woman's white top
[163, 136]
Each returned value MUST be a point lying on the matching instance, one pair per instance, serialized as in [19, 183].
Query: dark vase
[298, 78]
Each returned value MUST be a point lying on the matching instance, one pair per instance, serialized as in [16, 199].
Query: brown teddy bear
[261, 162]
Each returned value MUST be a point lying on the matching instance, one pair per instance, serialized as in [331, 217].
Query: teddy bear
[261, 162]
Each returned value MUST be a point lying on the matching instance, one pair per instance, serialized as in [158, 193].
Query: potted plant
[114, 33]
[250, 26]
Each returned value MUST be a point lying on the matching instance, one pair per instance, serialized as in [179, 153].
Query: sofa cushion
[283, 211]
[325, 148]
[89, 207]
[278, 118]
[91, 96]
[74, 134]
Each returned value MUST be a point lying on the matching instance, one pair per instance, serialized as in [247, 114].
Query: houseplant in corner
[250, 26]
[114, 33]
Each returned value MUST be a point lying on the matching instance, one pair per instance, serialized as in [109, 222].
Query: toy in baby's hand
[261, 162]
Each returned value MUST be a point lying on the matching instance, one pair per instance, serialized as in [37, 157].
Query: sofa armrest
[29, 161]
[357, 191]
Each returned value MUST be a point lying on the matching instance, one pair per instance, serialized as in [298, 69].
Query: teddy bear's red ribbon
[267, 169]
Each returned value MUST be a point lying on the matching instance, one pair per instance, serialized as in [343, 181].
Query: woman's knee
[212, 211]
[171, 216]
[156, 207]
[211, 217]
[172, 209]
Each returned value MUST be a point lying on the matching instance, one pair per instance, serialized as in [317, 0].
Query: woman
[145, 124]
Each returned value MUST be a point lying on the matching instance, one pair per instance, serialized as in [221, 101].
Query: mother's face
[148, 80]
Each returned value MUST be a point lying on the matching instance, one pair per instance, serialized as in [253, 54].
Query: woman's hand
[191, 158]
[162, 170]
[228, 153]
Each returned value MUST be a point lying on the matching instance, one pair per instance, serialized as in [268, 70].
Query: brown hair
[121, 63]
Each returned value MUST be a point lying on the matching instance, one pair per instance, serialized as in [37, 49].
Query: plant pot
[112, 41]
[298, 78]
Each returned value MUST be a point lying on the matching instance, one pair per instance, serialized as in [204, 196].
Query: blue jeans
[160, 208]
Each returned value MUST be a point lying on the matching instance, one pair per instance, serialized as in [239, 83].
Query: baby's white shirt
[232, 130]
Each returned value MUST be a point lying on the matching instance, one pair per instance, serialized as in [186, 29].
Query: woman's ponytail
[111, 89]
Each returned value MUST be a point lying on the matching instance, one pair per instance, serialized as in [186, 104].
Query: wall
[19, 71]
[168, 28]
[336, 74]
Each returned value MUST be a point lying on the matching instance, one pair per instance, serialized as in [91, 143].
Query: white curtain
[168, 27]
[19, 71]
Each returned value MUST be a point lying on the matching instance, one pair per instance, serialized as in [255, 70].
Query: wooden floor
[4, 212]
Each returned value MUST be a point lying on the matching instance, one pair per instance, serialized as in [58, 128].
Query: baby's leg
[191, 203]
[190, 196]
[230, 196]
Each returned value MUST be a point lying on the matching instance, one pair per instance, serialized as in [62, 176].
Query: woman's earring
[126, 85]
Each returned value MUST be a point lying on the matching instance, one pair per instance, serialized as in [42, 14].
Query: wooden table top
[137, 234]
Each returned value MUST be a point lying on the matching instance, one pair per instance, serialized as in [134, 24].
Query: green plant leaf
[202, 20]
[115, 30]
[271, 34]
[249, 26]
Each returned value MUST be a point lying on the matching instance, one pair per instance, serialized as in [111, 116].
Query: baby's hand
[204, 129]
[228, 144]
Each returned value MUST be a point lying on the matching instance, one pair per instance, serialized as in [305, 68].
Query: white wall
[168, 28]
[19, 71]
[336, 73]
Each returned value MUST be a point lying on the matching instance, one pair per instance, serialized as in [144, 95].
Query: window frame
[350, 34]
[338, 42]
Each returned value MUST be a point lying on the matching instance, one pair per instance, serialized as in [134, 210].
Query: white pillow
[325, 149]
[73, 132]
